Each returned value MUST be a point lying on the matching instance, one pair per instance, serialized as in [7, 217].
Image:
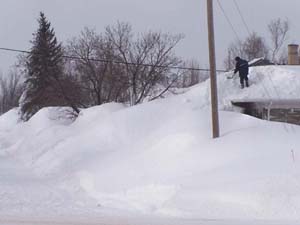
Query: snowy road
[140, 221]
[22, 195]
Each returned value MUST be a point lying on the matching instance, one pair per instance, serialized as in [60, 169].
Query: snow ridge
[158, 158]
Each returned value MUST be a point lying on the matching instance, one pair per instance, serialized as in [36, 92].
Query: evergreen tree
[45, 76]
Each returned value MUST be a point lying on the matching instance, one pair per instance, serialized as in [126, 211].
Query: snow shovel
[230, 74]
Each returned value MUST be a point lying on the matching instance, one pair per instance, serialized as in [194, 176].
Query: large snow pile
[159, 158]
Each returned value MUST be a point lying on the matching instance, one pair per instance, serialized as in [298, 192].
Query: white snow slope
[157, 158]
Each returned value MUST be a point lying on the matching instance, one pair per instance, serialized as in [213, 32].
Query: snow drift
[158, 158]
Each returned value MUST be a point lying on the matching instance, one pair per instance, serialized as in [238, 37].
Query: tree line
[116, 65]
[256, 46]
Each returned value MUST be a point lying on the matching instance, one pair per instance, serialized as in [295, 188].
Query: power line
[228, 20]
[262, 84]
[116, 62]
[241, 15]
[272, 83]
[248, 30]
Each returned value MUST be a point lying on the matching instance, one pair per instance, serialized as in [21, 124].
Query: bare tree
[102, 80]
[255, 47]
[278, 30]
[252, 47]
[282, 58]
[122, 67]
[11, 88]
[236, 48]
[152, 48]
[191, 76]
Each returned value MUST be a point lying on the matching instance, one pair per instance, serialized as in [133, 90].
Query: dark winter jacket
[242, 67]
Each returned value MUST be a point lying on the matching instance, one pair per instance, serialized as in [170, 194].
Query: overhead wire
[242, 17]
[248, 30]
[268, 76]
[116, 62]
[228, 20]
[234, 31]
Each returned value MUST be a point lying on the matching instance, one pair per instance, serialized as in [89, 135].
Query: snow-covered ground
[156, 160]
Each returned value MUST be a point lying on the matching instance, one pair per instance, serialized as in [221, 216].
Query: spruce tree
[44, 71]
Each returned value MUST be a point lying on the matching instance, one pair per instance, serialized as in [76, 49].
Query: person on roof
[243, 68]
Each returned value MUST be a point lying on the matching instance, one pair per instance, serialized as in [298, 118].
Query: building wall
[273, 113]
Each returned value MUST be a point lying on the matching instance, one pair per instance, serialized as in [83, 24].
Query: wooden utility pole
[213, 74]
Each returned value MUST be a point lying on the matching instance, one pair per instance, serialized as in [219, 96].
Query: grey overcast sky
[18, 20]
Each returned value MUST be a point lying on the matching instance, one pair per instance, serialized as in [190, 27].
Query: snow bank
[158, 158]
[9, 119]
